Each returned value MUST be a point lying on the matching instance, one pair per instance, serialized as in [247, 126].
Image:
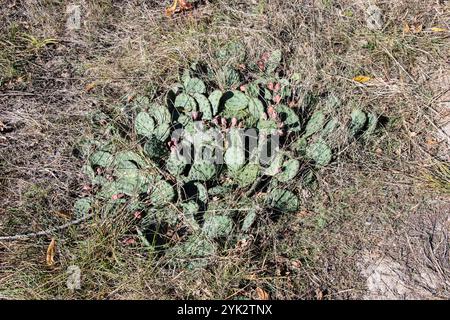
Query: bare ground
[377, 227]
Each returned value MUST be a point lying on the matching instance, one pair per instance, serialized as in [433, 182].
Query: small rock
[374, 18]
[73, 12]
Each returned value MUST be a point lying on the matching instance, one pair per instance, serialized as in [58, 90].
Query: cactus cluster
[151, 173]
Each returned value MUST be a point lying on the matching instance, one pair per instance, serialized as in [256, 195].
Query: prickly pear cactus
[200, 159]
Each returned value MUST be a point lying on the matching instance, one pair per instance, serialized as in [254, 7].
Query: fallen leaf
[435, 29]
[90, 86]
[319, 294]
[362, 79]
[130, 97]
[50, 258]
[63, 214]
[184, 6]
[171, 10]
[261, 294]
[406, 28]
[416, 28]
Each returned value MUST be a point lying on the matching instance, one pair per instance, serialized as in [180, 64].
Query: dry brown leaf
[362, 79]
[184, 6]
[171, 10]
[90, 86]
[406, 28]
[416, 28]
[51, 250]
[261, 294]
[63, 214]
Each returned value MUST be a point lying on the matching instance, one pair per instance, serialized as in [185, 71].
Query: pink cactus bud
[129, 241]
[241, 124]
[216, 120]
[137, 215]
[117, 196]
[243, 88]
[280, 125]
[277, 99]
[224, 122]
[273, 114]
[261, 65]
[270, 86]
[195, 115]
[281, 132]
[234, 122]
[277, 87]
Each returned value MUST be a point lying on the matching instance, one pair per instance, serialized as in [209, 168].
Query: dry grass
[388, 197]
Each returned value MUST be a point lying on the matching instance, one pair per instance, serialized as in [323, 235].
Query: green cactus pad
[194, 85]
[155, 148]
[160, 113]
[190, 209]
[249, 219]
[255, 107]
[162, 193]
[329, 128]
[204, 106]
[144, 124]
[235, 100]
[202, 171]
[320, 152]
[247, 175]
[359, 119]
[289, 118]
[315, 124]
[274, 61]
[289, 170]
[185, 102]
[176, 164]
[217, 226]
[282, 200]
[82, 207]
[130, 156]
[214, 99]
[202, 192]
[101, 159]
[372, 122]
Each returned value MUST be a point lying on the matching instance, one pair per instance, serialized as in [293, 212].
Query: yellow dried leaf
[50, 258]
[416, 28]
[90, 86]
[171, 10]
[261, 294]
[435, 29]
[362, 79]
[406, 28]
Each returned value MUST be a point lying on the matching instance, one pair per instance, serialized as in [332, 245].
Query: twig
[45, 232]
